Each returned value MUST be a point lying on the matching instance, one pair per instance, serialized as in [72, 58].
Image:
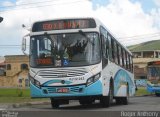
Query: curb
[18, 105]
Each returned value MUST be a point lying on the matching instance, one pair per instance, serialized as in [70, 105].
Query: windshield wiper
[88, 39]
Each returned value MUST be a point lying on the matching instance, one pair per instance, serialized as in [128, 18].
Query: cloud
[122, 18]
[157, 2]
[127, 19]
[6, 3]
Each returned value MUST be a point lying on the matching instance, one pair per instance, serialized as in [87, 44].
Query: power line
[138, 38]
[25, 4]
[4, 11]
[135, 36]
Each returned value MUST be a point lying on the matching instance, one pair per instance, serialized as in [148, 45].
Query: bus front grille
[73, 89]
[61, 73]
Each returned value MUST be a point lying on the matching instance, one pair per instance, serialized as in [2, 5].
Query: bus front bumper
[73, 91]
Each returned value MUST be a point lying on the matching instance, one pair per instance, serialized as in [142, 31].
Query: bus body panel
[76, 85]
[91, 80]
[120, 77]
[92, 90]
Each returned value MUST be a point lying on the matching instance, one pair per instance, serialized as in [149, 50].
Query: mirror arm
[24, 44]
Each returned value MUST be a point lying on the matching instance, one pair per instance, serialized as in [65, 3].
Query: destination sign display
[63, 24]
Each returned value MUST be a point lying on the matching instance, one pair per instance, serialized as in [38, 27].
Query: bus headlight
[35, 82]
[93, 79]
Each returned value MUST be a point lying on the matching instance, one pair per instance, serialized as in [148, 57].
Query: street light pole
[1, 19]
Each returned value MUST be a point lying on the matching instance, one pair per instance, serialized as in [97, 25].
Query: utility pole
[1, 19]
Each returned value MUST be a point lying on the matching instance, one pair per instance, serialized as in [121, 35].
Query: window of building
[24, 66]
[26, 82]
[8, 66]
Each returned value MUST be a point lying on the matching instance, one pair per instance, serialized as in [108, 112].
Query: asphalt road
[136, 104]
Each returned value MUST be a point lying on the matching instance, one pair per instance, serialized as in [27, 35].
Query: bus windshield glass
[154, 73]
[64, 50]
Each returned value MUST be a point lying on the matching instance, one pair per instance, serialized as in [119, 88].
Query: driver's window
[105, 42]
[47, 43]
[44, 48]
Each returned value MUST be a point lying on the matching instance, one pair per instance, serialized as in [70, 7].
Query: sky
[131, 21]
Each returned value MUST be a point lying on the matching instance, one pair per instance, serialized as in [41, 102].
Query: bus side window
[126, 60]
[115, 52]
[112, 49]
[105, 42]
[122, 57]
[131, 62]
[105, 46]
[118, 54]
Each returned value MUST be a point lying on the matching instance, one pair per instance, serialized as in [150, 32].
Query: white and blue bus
[153, 77]
[78, 59]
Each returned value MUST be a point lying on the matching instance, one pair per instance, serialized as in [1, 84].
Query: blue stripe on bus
[93, 89]
[121, 78]
[48, 83]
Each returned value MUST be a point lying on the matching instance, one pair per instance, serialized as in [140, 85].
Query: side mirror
[24, 44]
[1, 19]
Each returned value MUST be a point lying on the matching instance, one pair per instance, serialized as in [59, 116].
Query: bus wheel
[123, 100]
[107, 100]
[54, 103]
[118, 100]
[157, 94]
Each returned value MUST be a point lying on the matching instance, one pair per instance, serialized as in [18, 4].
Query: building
[2, 69]
[140, 60]
[2, 66]
[16, 71]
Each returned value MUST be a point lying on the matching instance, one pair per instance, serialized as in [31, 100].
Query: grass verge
[142, 91]
[17, 96]
[23, 95]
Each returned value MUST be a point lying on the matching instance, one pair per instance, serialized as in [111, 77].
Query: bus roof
[98, 23]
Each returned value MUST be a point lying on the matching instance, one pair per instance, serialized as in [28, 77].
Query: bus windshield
[154, 74]
[64, 50]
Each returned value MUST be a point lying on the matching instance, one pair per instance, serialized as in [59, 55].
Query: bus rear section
[153, 77]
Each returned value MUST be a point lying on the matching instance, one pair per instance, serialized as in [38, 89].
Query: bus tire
[107, 100]
[118, 100]
[123, 100]
[54, 103]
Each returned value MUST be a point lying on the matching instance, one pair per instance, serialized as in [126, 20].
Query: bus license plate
[62, 90]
